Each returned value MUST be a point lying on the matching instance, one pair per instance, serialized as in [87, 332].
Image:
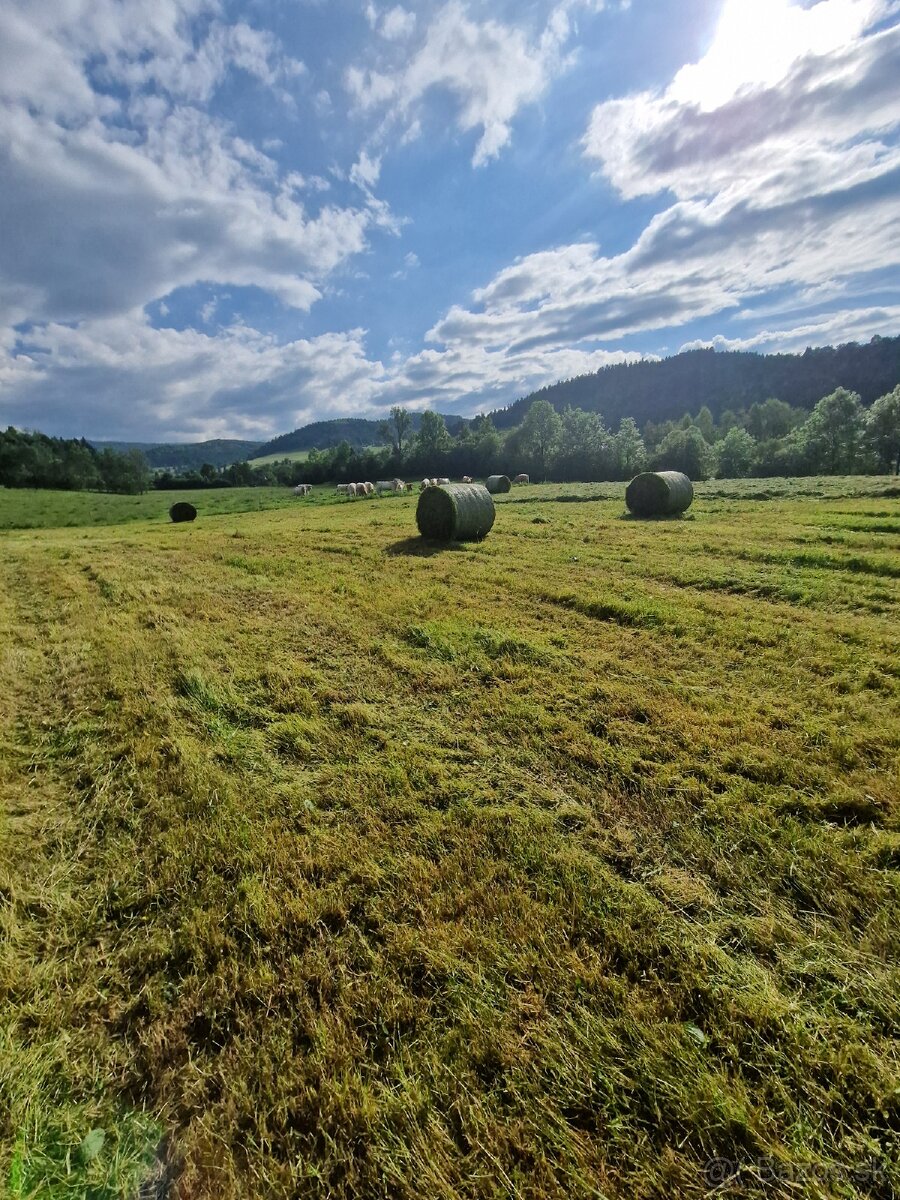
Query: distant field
[26, 508]
[293, 455]
[333, 864]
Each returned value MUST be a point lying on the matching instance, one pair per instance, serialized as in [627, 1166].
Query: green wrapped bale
[455, 512]
[659, 494]
[498, 483]
[182, 511]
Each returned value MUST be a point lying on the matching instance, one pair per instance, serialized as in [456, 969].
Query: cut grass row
[29, 508]
[339, 865]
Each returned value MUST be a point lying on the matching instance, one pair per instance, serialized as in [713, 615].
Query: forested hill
[665, 390]
[187, 456]
[321, 435]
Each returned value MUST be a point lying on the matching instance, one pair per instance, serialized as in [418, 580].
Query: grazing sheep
[425, 483]
[521, 479]
[467, 479]
[302, 489]
[343, 489]
[441, 482]
[370, 488]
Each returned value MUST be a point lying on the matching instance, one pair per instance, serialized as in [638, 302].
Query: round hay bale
[498, 483]
[182, 511]
[455, 512]
[659, 494]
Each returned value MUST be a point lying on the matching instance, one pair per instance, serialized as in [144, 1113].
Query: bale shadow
[418, 547]
[629, 516]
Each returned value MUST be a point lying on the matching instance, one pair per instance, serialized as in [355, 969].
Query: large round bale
[498, 483]
[182, 511]
[659, 494]
[455, 512]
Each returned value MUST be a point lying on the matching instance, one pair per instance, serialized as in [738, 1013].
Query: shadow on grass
[628, 516]
[418, 547]
[564, 499]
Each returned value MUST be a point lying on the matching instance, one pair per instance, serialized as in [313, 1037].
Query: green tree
[628, 450]
[730, 420]
[584, 447]
[883, 430]
[705, 423]
[126, 473]
[432, 440]
[833, 434]
[771, 419]
[486, 446]
[735, 453]
[685, 450]
[396, 430]
[540, 434]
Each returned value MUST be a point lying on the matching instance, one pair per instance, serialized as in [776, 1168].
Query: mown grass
[30, 508]
[336, 864]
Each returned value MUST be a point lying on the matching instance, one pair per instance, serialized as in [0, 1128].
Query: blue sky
[226, 218]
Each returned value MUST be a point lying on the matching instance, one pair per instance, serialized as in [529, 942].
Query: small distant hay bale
[182, 511]
[455, 512]
[498, 484]
[659, 494]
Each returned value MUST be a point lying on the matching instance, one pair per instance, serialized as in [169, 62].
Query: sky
[229, 218]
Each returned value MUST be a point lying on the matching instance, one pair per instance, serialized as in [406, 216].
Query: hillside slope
[320, 435]
[665, 390]
[180, 456]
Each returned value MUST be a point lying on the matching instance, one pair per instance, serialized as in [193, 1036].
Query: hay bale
[498, 483]
[659, 494]
[182, 511]
[455, 512]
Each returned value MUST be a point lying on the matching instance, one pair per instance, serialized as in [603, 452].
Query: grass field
[334, 864]
[27, 508]
[293, 455]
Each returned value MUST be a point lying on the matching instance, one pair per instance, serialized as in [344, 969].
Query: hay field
[32, 508]
[558, 865]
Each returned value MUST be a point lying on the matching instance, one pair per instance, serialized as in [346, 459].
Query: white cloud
[186, 384]
[112, 200]
[365, 171]
[492, 70]
[847, 325]
[799, 99]
[792, 186]
[398, 23]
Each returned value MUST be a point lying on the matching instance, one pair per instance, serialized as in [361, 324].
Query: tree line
[839, 436]
[651, 390]
[34, 460]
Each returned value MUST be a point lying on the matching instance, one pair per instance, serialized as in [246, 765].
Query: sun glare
[757, 41]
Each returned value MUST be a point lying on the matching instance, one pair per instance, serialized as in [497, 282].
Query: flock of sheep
[387, 485]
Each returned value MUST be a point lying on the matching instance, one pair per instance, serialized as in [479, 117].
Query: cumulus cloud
[845, 325]
[365, 171]
[398, 23]
[786, 179]
[492, 69]
[768, 136]
[776, 172]
[118, 188]
[189, 384]
[185, 384]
